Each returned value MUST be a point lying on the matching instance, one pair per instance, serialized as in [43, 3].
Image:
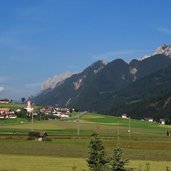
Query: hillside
[107, 88]
[138, 98]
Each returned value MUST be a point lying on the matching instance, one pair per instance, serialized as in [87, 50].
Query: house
[149, 119]
[162, 121]
[12, 116]
[18, 110]
[2, 117]
[8, 116]
[5, 113]
[58, 114]
[4, 100]
[4, 110]
[64, 116]
[42, 137]
[124, 116]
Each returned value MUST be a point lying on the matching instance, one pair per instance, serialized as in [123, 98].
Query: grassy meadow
[14, 106]
[147, 143]
[43, 163]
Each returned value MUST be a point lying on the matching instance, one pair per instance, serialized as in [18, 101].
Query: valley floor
[147, 143]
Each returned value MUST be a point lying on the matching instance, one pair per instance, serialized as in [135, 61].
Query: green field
[43, 163]
[147, 143]
[14, 106]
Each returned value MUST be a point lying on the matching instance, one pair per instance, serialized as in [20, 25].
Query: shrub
[32, 135]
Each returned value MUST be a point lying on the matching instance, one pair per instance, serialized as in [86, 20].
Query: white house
[64, 116]
[162, 121]
[150, 120]
[124, 116]
[18, 110]
[4, 100]
[12, 116]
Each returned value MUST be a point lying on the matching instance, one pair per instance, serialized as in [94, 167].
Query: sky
[43, 38]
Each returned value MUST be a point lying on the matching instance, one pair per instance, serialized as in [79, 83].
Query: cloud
[2, 89]
[164, 30]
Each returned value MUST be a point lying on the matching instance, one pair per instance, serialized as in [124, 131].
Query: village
[28, 110]
[51, 112]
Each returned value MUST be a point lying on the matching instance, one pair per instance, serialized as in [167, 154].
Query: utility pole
[78, 124]
[31, 121]
[129, 126]
[118, 138]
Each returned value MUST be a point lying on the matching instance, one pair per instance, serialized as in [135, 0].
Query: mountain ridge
[101, 86]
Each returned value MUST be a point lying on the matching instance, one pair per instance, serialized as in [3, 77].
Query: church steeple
[29, 108]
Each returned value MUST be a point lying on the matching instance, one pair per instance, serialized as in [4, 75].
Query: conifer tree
[117, 163]
[96, 160]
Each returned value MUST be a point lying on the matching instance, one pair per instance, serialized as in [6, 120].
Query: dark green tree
[96, 160]
[23, 99]
[116, 162]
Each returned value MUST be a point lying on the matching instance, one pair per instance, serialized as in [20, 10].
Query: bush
[34, 134]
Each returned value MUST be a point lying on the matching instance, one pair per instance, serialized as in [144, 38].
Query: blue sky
[42, 38]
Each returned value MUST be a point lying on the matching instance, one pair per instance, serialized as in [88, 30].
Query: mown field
[147, 143]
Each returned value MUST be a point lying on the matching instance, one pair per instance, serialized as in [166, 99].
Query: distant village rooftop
[5, 100]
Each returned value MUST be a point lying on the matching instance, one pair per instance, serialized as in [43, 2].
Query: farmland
[147, 143]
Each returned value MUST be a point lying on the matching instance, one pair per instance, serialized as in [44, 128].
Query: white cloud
[2, 89]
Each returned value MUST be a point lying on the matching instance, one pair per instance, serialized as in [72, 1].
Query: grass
[111, 120]
[148, 141]
[75, 147]
[153, 165]
[105, 125]
[41, 163]
[12, 121]
[14, 106]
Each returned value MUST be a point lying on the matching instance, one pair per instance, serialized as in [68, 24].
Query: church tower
[29, 108]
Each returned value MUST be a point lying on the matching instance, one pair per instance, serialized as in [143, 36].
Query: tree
[96, 160]
[23, 99]
[116, 162]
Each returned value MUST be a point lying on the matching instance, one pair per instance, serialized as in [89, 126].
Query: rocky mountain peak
[161, 50]
[164, 50]
[52, 82]
[95, 67]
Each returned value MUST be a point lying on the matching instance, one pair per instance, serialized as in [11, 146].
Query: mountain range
[140, 88]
